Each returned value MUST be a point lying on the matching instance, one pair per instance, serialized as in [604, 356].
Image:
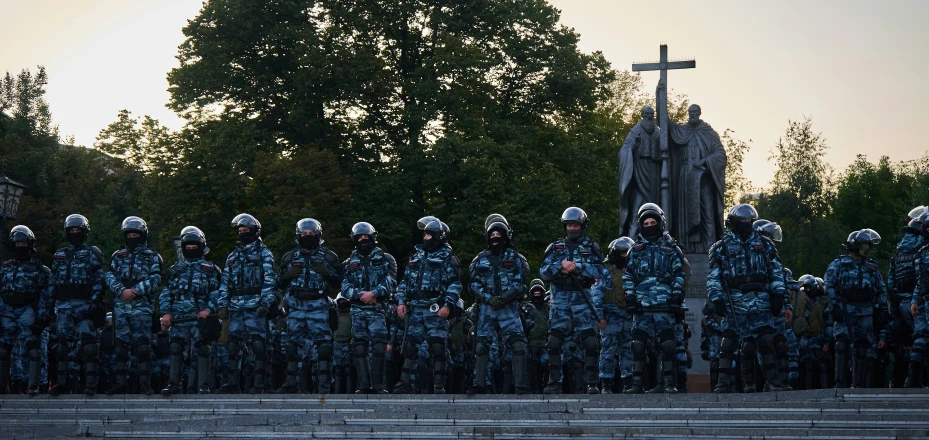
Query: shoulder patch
[509, 263]
[758, 246]
[353, 266]
[638, 246]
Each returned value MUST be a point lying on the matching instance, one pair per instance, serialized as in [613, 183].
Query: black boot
[364, 376]
[554, 377]
[231, 386]
[669, 373]
[35, 369]
[174, 377]
[378, 372]
[520, 373]
[405, 385]
[204, 369]
[771, 372]
[726, 373]
[913, 375]
[5, 374]
[607, 386]
[290, 383]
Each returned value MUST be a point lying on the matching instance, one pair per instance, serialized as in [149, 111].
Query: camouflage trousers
[920, 350]
[614, 343]
[133, 322]
[858, 327]
[75, 329]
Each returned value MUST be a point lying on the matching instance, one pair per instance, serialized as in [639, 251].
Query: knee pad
[586, 333]
[410, 351]
[258, 347]
[666, 335]
[861, 351]
[519, 347]
[437, 347]
[766, 343]
[749, 347]
[668, 348]
[640, 335]
[591, 343]
[89, 351]
[204, 350]
[324, 350]
[841, 345]
[232, 350]
[714, 364]
[35, 355]
[638, 347]
[293, 352]
[556, 340]
[379, 349]
[360, 348]
[88, 339]
[481, 349]
[177, 349]
[144, 352]
[780, 346]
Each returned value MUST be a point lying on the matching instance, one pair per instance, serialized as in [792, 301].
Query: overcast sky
[856, 67]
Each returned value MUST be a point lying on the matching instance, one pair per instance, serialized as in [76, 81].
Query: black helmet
[855, 239]
[438, 233]
[537, 290]
[821, 283]
[21, 233]
[193, 234]
[498, 226]
[651, 210]
[740, 213]
[249, 222]
[363, 228]
[807, 281]
[77, 221]
[135, 224]
[308, 224]
[768, 229]
[447, 233]
[421, 223]
[575, 215]
[617, 247]
[493, 218]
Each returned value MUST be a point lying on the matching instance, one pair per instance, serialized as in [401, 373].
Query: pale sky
[856, 67]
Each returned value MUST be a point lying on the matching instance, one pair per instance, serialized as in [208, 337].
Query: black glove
[674, 303]
[777, 304]
[322, 270]
[262, 310]
[837, 314]
[632, 305]
[38, 326]
[93, 309]
[496, 302]
[291, 274]
[720, 307]
[705, 355]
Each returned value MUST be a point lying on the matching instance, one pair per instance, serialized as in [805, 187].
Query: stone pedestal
[694, 299]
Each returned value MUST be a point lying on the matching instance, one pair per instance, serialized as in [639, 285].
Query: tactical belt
[750, 283]
[18, 299]
[858, 294]
[128, 284]
[907, 288]
[565, 283]
[246, 292]
[303, 294]
[71, 291]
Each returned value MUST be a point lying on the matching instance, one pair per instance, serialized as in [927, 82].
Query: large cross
[662, 108]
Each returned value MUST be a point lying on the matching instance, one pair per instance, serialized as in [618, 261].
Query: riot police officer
[25, 306]
[187, 301]
[856, 291]
[247, 291]
[901, 277]
[653, 285]
[573, 264]
[309, 274]
[370, 279]
[919, 309]
[498, 281]
[538, 334]
[134, 276]
[430, 288]
[615, 340]
[77, 282]
[746, 286]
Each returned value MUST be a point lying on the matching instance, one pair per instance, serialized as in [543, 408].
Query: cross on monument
[661, 106]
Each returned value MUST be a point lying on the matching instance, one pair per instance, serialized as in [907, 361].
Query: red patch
[758, 246]
[353, 266]
[638, 247]
[412, 264]
[296, 264]
[206, 267]
[7, 263]
[123, 253]
[508, 264]
[228, 262]
[59, 257]
[559, 247]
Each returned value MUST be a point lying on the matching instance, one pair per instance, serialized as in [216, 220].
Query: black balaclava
[496, 243]
[364, 245]
[309, 242]
[192, 254]
[618, 260]
[574, 235]
[743, 228]
[134, 242]
[246, 238]
[77, 238]
[431, 244]
[22, 253]
[537, 296]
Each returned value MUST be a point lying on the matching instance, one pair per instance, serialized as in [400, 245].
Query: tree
[139, 144]
[737, 185]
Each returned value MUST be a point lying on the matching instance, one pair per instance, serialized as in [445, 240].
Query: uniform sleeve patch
[353, 266]
[509, 264]
[206, 267]
[758, 246]
[638, 247]
[559, 247]
[296, 264]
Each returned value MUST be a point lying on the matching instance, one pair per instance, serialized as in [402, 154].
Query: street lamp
[11, 192]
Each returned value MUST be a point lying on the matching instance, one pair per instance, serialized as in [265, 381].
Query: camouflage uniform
[77, 282]
[501, 276]
[615, 340]
[25, 311]
[538, 338]
[314, 275]
[653, 284]
[375, 272]
[710, 336]
[918, 354]
[431, 280]
[743, 277]
[856, 290]
[249, 282]
[192, 286]
[138, 269]
[342, 351]
[568, 305]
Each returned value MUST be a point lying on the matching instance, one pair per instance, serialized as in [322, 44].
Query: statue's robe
[639, 175]
[696, 192]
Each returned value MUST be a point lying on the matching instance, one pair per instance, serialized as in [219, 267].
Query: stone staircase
[821, 414]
